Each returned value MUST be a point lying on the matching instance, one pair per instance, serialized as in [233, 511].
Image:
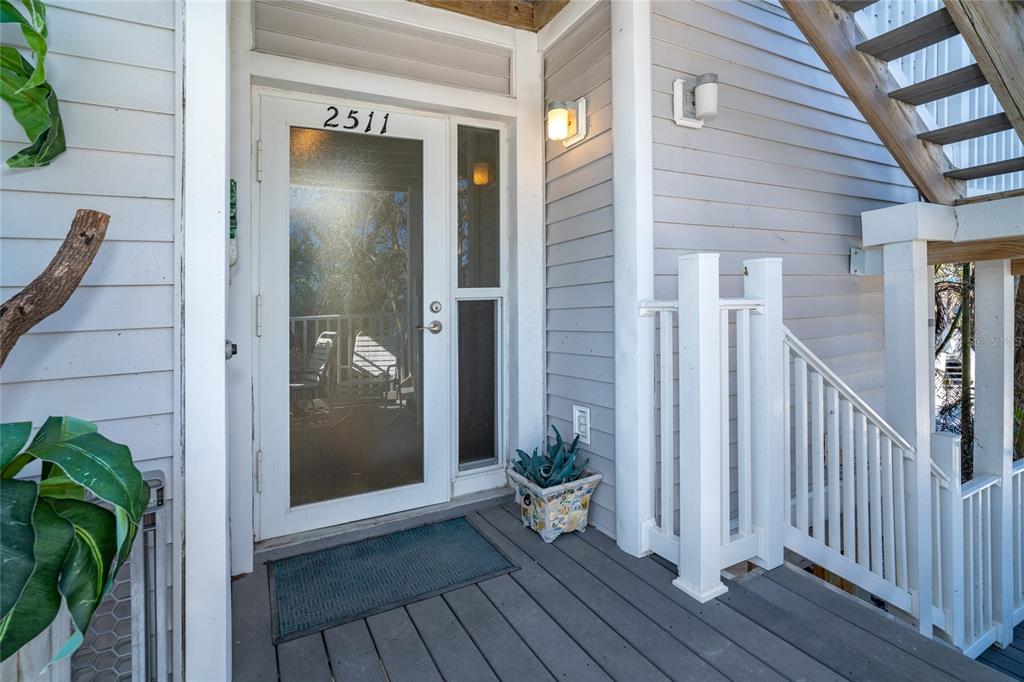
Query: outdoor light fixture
[567, 121]
[695, 100]
[481, 173]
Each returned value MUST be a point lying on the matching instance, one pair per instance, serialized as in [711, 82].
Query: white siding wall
[785, 170]
[107, 355]
[580, 296]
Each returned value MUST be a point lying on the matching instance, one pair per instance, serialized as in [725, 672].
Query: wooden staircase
[993, 31]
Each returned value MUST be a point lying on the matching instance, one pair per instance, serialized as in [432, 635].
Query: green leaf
[13, 437]
[17, 500]
[40, 600]
[58, 486]
[47, 146]
[87, 569]
[34, 31]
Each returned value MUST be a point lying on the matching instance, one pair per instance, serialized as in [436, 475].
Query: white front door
[353, 313]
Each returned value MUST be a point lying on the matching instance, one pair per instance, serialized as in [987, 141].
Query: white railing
[813, 469]
[848, 471]
[937, 59]
[728, 527]
[1017, 505]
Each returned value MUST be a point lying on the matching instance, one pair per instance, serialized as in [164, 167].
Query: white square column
[909, 385]
[993, 421]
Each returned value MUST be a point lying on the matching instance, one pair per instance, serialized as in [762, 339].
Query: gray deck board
[717, 650]
[581, 609]
[560, 654]
[304, 660]
[452, 649]
[507, 654]
[403, 653]
[673, 658]
[603, 644]
[861, 614]
[352, 653]
[768, 647]
[883, 656]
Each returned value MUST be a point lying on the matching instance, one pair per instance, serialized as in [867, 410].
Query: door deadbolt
[435, 306]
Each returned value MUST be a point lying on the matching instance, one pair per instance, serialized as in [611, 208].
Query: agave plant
[555, 467]
[54, 543]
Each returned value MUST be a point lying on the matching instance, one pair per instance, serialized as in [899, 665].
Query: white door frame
[278, 113]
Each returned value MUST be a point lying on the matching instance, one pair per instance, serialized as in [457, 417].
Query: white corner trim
[566, 19]
[207, 569]
[633, 170]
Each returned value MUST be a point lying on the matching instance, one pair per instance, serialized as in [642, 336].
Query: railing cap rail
[978, 484]
[848, 393]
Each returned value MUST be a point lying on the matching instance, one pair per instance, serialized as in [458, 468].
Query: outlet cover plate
[581, 423]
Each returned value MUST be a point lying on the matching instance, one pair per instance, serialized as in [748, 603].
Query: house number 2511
[354, 120]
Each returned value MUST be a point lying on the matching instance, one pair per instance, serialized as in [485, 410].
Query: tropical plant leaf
[33, 28]
[13, 437]
[39, 601]
[59, 487]
[99, 464]
[17, 500]
[86, 575]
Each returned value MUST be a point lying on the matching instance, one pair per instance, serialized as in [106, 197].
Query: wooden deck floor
[1009, 660]
[580, 609]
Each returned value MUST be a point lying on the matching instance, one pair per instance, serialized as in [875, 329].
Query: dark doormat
[315, 591]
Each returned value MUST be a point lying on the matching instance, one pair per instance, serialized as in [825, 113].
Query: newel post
[700, 446]
[763, 280]
[993, 422]
[946, 455]
[909, 383]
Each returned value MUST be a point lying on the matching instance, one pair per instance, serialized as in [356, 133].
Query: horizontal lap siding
[785, 170]
[580, 298]
[331, 35]
[107, 354]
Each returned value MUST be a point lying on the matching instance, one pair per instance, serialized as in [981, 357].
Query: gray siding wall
[784, 170]
[580, 296]
[332, 35]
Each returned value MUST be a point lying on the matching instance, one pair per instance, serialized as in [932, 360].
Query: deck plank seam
[581, 645]
[513, 628]
[419, 634]
[605, 621]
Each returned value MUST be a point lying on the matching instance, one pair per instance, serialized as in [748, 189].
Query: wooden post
[993, 422]
[763, 280]
[946, 455]
[700, 445]
[909, 385]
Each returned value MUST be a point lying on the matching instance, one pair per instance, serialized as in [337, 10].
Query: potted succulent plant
[552, 490]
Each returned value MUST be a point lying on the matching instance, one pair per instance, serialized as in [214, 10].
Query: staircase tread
[944, 85]
[986, 170]
[910, 37]
[986, 125]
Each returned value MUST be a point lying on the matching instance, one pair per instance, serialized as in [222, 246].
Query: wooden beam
[523, 14]
[944, 85]
[994, 32]
[986, 125]
[854, 5]
[834, 34]
[991, 197]
[910, 37]
[964, 252]
[1017, 267]
[987, 170]
[545, 10]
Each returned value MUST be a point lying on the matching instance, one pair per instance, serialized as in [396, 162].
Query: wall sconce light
[695, 100]
[481, 173]
[567, 121]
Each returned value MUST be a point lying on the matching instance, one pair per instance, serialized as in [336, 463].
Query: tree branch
[48, 292]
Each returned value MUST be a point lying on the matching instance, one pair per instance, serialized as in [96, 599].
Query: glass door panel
[355, 301]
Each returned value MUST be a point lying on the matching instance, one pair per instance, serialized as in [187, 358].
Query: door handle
[434, 327]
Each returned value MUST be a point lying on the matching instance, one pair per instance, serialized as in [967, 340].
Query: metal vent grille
[129, 635]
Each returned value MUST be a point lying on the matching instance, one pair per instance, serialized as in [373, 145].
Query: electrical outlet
[581, 423]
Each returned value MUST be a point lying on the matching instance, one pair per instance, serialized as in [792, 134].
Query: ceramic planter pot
[556, 510]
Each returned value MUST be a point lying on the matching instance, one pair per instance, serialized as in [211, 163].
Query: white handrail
[978, 484]
[848, 393]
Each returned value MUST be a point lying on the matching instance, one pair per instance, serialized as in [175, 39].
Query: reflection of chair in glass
[306, 381]
[374, 371]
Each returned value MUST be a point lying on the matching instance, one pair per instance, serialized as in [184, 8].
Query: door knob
[434, 327]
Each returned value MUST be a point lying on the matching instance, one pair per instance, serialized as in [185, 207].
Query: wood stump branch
[48, 292]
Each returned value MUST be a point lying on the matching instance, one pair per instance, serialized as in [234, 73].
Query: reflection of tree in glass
[349, 251]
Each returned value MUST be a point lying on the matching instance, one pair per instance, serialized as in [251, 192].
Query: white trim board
[996, 219]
